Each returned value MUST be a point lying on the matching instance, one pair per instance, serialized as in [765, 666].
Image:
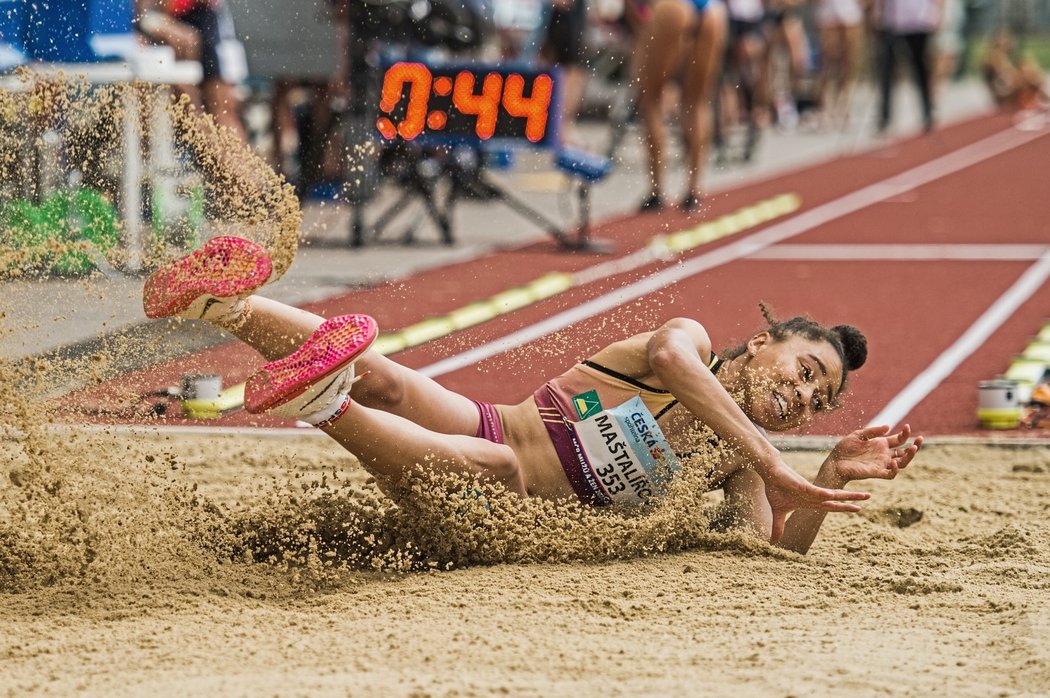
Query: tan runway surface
[170, 584]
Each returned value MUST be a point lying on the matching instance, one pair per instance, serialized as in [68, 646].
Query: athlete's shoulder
[694, 328]
[681, 330]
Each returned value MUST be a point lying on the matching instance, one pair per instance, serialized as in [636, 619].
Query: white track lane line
[971, 340]
[928, 172]
[902, 253]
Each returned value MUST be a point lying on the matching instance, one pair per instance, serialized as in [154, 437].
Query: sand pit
[939, 587]
[163, 563]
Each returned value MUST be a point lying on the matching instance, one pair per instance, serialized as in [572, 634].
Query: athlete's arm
[871, 452]
[677, 355]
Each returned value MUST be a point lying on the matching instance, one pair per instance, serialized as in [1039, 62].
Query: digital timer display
[426, 103]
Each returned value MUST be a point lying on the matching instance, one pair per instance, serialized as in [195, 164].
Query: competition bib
[629, 458]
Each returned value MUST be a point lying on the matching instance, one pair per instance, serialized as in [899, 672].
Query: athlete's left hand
[787, 491]
[871, 452]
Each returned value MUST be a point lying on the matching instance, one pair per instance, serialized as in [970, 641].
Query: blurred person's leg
[724, 105]
[563, 47]
[159, 28]
[224, 104]
[797, 44]
[727, 98]
[660, 54]
[283, 124]
[219, 63]
[829, 76]
[771, 86]
[852, 43]
[840, 48]
[766, 68]
[973, 28]
[919, 50]
[702, 68]
[1036, 95]
[751, 50]
[886, 51]
[947, 42]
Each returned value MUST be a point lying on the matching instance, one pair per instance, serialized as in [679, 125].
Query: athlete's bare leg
[276, 330]
[314, 383]
[390, 447]
[213, 283]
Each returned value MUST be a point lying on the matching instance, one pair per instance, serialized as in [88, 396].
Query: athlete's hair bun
[854, 346]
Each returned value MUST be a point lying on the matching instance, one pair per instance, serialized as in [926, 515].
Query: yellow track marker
[510, 300]
[473, 314]
[680, 242]
[1038, 351]
[751, 216]
[427, 330]
[706, 232]
[387, 344]
[1029, 371]
[550, 285]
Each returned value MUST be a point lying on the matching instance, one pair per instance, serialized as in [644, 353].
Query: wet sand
[940, 587]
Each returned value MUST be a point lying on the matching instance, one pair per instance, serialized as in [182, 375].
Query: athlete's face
[786, 383]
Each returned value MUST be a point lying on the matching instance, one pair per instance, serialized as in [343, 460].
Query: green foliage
[61, 236]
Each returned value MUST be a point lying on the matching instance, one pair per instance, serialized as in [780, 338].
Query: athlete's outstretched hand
[787, 491]
[871, 452]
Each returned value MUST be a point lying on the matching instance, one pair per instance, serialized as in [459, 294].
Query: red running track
[938, 248]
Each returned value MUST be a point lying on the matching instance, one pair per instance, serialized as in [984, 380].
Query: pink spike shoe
[208, 283]
[313, 383]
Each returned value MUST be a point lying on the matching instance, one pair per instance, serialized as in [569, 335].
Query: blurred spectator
[948, 42]
[785, 33]
[841, 27]
[202, 30]
[1015, 82]
[975, 13]
[685, 37]
[307, 140]
[563, 46]
[738, 96]
[905, 25]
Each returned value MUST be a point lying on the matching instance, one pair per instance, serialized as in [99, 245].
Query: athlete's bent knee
[381, 390]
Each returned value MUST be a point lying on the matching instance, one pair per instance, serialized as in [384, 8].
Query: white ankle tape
[327, 416]
[235, 315]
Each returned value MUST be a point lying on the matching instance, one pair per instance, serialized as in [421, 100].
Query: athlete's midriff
[556, 458]
[525, 433]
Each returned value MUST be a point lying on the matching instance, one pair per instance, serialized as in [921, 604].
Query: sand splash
[102, 514]
[63, 155]
[90, 511]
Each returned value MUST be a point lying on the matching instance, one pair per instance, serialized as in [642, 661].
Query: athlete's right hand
[787, 491]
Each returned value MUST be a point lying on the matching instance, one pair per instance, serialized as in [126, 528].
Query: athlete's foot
[210, 283]
[313, 383]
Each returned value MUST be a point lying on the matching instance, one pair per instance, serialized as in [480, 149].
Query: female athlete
[606, 432]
